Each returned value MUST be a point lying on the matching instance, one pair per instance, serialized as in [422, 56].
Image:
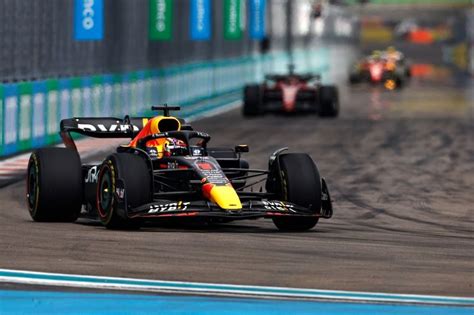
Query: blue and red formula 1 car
[166, 170]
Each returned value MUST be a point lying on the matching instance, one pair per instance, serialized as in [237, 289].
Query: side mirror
[241, 148]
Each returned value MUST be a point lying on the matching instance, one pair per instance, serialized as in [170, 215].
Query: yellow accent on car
[390, 85]
[225, 197]
[390, 66]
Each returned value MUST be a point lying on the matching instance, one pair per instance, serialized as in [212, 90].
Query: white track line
[142, 285]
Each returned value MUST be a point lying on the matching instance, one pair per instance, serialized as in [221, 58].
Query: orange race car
[382, 67]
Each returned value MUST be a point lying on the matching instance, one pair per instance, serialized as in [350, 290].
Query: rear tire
[54, 185]
[399, 82]
[253, 100]
[328, 101]
[302, 186]
[354, 78]
[133, 170]
[408, 71]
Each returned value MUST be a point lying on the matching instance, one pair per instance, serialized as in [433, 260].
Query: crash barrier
[30, 112]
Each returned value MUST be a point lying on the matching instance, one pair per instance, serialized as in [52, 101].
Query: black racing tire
[365, 76]
[328, 101]
[133, 170]
[399, 82]
[354, 78]
[395, 78]
[54, 188]
[253, 100]
[408, 71]
[301, 185]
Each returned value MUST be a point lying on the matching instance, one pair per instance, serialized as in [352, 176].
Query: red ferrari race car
[291, 93]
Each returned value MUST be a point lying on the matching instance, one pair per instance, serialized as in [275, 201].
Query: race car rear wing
[104, 127]
[303, 77]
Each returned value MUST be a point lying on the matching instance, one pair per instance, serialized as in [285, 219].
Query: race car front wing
[250, 210]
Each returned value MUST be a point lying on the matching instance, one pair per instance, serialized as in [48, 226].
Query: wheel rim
[105, 193]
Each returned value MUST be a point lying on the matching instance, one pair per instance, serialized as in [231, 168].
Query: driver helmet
[175, 147]
[157, 124]
[376, 54]
[391, 50]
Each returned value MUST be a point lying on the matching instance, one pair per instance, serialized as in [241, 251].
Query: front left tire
[133, 171]
[253, 100]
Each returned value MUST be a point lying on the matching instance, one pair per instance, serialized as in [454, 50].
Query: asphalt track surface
[400, 166]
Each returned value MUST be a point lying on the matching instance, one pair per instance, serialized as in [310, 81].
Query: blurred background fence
[49, 72]
[37, 40]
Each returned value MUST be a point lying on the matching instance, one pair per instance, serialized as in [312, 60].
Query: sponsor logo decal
[92, 175]
[120, 192]
[89, 20]
[205, 166]
[278, 206]
[197, 152]
[211, 171]
[152, 152]
[102, 128]
[169, 207]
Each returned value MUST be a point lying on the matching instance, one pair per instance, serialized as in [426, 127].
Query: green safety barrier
[31, 117]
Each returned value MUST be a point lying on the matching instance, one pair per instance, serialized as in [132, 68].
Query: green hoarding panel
[25, 118]
[233, 19]
[160, 19]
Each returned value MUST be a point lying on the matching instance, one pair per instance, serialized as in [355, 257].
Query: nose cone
[224, 196]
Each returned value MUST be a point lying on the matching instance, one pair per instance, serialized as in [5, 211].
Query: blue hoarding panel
[257, 10]
[200, 23]
[88, 19]
[10, 115]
